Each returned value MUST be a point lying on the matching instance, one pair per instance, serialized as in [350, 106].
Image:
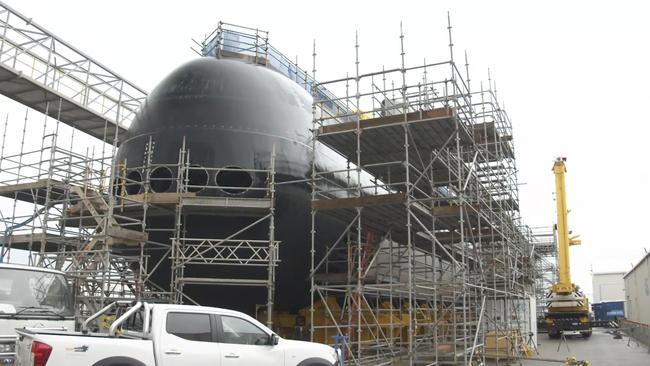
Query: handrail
[84, 326]
[147, 319]
[250, 42]
[113, 329]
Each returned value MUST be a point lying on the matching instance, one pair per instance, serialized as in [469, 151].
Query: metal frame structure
[239, 249]
[37, 67]
[434, 264]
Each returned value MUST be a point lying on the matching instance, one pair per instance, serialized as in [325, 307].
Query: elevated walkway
[45, 73]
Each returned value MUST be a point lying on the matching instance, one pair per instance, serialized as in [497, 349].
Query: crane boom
[564, 284]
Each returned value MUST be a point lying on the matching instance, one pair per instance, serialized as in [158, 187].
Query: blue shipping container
[609, 310]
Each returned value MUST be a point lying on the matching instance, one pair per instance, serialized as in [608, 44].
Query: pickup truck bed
[75, 348]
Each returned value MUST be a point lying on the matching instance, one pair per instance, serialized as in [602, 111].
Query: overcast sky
[574, 77]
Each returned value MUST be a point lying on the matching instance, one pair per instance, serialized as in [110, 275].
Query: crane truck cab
[31, 297]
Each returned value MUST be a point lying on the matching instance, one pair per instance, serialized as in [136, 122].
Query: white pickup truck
[170, 335]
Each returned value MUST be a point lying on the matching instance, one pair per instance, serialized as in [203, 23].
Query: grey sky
[574, 77]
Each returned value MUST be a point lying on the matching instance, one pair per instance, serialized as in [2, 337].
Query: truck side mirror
[274, 339]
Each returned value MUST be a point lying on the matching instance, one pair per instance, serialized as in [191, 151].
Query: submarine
[233, 115]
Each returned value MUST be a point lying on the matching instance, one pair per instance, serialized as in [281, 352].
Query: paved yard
[601, 350]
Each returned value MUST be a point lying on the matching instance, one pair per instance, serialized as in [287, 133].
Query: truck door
[188, 339]
[243, 343]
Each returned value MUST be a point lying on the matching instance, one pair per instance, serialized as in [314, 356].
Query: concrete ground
[600, 350]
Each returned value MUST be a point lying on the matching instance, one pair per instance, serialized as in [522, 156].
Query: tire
[315, 361]
[553, 335]
[585, 335]
[119, 361]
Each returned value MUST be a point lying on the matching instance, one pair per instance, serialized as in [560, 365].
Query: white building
[608, 286]
[637, 292]
[637, 300]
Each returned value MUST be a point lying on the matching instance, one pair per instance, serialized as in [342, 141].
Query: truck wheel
[119, 361]
[314, 362]
[586, 334]
[553, 335]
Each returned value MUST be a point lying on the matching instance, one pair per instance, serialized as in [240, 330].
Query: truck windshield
[32, 293]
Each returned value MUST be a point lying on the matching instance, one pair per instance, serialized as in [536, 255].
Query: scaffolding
[434, 264]
[61, 214]
[546, 273]
[239, 249]
[90, 215]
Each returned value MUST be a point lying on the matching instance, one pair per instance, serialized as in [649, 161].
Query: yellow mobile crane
[567, 308]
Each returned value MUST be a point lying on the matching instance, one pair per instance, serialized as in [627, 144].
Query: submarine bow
[228, 114]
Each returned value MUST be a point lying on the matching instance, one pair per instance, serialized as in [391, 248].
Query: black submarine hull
[231, 114]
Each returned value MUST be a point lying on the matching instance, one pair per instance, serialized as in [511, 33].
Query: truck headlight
[7, 347]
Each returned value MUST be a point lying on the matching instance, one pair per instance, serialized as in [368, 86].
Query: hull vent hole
[160, 179]
[234, 180]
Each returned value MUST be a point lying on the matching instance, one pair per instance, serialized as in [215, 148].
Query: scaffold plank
[413, 117]
[120, 235]
[33, 192]
[382, 139]
[9, 190]
[352, 202]
[34, 241]
[223, 281]
[449, 210]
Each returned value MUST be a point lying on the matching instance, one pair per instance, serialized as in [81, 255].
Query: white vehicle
[31, 297]
[170, 335]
